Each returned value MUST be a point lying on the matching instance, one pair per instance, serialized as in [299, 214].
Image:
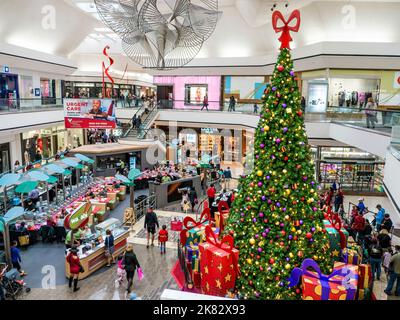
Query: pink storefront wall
[179, 82]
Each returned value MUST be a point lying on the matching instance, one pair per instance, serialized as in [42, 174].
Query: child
[186, 206]
[163, 238]
[121, 273]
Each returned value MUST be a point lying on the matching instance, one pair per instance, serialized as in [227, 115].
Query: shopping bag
[140, 274]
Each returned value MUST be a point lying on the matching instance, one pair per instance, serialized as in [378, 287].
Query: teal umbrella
[80, 166]
[67, 172]
[9, 179]
[133, 174]
[52, 179]
[84, 158]
[122, 178]
[70, 162]
[38, 176]
[13, 214]
[53, 168]
[26, 187]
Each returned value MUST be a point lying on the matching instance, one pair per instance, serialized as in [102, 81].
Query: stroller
[13, 285]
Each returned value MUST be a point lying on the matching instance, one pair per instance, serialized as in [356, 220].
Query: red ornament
[295, 238]
[280, 68]
[309, 235]
[297, 291]
[258, 257]
[281, 244]
[286, 158]
[265, 220]
[283, 232]
[300, 254]
[271, 261]
[299, 113]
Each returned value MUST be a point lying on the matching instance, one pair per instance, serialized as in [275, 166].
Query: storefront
[340, 90]
[355, 170]
[86, 90]
[48, 91]
[189, 92]
[5, 160]
[49, 141]
[9, 92]
[245, 89]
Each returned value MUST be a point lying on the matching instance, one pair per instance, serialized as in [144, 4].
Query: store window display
[352, 93]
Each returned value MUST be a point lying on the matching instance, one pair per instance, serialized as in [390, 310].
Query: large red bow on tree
[285, 38]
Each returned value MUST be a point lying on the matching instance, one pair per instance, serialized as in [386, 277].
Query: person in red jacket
[358, 225]
[74, 268]
[211, 191]
[163, 238]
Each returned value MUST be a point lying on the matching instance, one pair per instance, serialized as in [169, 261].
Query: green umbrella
[52, 179]
[26, 187]
[80, 166]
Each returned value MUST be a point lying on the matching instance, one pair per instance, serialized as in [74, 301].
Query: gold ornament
[289, 110]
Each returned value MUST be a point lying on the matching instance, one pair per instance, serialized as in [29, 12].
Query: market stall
[92, 252]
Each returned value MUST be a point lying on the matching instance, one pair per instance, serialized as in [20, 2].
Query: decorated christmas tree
[274, 219]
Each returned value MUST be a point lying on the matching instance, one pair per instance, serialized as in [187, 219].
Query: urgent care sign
[89, 114]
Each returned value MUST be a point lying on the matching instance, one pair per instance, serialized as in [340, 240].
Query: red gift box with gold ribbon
[218, 264]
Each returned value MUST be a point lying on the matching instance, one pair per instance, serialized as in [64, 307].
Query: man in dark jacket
[150, 223]
[193, 197]
[387, 223]
[131, 263]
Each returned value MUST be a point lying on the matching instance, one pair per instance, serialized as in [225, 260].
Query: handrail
[131, 128]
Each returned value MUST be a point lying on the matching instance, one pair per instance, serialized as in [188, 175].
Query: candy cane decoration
[106, 70]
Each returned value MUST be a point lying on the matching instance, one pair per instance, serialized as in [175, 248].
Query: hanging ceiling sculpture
[161, 34]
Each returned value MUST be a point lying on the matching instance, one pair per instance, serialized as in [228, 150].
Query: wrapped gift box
[191, 251]
[335, 239]
[364, 276]
[195, 264]
[218, 267]
[350, 256]
[225, 216]
[196, 277]
[341, 284]
[364, 294]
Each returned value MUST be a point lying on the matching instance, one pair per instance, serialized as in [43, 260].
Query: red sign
[79, 123]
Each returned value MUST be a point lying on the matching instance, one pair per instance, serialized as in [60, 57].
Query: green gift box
[335, 240]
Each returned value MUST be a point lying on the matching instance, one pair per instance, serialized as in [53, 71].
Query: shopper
[211, 195]
[232, 103]
[205, 103]
[227, 177]
[75, 268]
[361, 206]
[255, 108]
[375, 254]
[163, 238]
[394, 273]
[384, 240]
[131, 263]
[34, 196]
[193, 197]
[338, 200]
[109, 246]
[370, 111]
[379, 217]
[16, 258]
[358, 226]
[387, 223]
[17, 165]
[150, 224]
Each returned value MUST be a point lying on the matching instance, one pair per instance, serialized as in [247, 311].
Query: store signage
[79, 218]
[396, 83]
[89, 114]
[209, 130]
[6, 69]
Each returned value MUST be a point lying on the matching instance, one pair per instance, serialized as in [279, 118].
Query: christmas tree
[274, 218]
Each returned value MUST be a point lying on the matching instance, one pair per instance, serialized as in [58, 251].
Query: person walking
[134, 121]
[163, 238]
[131, 263]
[109, 248]
[380, 216]
[358, 226]
[205, 103]
[150, 224]
[371, 113]
[255, 108]
[75, 268]
[16, 258]
[394, 273]
[121, 273]
[193, 197]
[227, 177]
[375, 254]
[338, 200]
[211, 195]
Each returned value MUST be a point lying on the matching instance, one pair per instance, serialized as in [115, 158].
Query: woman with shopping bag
[131, 264]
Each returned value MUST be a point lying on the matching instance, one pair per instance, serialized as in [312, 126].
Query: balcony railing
[29, 105]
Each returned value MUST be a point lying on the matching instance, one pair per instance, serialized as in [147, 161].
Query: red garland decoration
[106, 69]
[285, 38]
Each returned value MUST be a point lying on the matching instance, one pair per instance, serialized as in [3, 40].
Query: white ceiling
[243, 32]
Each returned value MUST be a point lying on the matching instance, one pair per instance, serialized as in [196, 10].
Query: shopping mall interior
[200, 150]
